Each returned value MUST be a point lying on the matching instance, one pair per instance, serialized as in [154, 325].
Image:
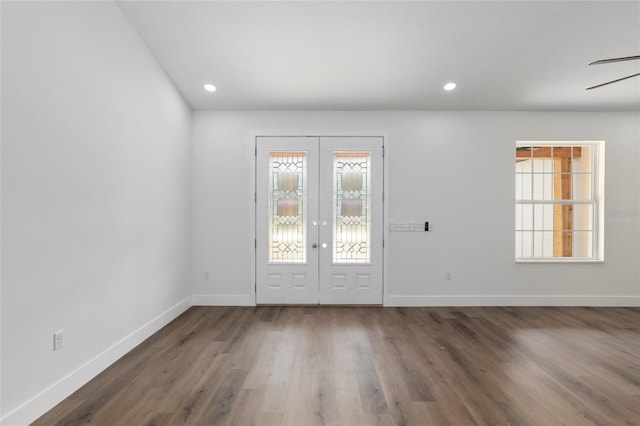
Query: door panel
[319, 220]
[287, 205]
[351, 220]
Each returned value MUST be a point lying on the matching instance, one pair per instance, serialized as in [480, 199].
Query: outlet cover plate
[58, 340]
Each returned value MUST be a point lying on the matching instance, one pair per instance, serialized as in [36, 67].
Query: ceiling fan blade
[608, 61]
[613, 81]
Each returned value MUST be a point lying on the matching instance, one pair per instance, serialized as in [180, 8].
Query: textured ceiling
[342, 55]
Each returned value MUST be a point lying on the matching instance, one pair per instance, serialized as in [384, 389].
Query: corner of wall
[54, 394]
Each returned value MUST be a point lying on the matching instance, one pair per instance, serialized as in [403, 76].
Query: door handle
[314, 245]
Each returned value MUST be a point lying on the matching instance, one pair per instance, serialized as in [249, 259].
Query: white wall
[95, 197]
[454, 169]
[96, 200]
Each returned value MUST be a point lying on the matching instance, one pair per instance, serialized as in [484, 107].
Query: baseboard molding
[48, 398]
[602, 301]
[221, 300]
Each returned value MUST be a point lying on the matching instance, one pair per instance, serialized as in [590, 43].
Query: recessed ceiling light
[209, 87]
[449, 86]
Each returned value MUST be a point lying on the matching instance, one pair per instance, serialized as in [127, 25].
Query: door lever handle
[314, 245]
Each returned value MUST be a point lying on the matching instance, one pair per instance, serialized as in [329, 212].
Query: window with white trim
[559, 201]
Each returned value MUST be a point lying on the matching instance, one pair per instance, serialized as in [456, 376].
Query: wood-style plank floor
[373, 366]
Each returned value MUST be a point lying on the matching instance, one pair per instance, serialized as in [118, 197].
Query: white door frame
[252, 151]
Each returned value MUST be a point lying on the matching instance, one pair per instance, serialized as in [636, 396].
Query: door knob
[314, 245]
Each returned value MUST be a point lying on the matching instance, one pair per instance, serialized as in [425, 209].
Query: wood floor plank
[351, 366]
[157, 419]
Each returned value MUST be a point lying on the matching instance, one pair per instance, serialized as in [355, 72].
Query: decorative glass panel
[352, 207]
[287, 207]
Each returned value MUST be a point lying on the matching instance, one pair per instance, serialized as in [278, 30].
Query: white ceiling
[343, 55]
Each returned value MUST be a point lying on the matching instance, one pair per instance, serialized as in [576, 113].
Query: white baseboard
[613, 301]
[49, 397]
[221, 300]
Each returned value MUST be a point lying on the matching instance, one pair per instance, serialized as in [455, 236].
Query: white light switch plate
[406, 227]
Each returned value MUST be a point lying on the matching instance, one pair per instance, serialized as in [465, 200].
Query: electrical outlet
[206, 275]
[447, 275]
[58, 340]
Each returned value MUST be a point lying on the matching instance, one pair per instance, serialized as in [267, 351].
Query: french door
[319, 220]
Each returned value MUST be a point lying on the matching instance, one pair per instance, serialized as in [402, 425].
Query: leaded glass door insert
[352, 206]
[287, 207]
[319, 220]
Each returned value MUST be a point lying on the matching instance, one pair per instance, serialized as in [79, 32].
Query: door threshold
[337, 305]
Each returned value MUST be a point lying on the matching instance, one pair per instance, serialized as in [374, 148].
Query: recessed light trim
[449, 86]
[209, 87]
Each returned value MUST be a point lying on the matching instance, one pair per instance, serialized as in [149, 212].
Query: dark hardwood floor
[373, 366]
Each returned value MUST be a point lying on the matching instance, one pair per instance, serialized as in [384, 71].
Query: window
[559, 201]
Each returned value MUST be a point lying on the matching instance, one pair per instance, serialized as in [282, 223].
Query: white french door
[319, 220]
[287, 220]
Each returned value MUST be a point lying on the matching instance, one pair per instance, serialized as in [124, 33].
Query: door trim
[251, 244]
